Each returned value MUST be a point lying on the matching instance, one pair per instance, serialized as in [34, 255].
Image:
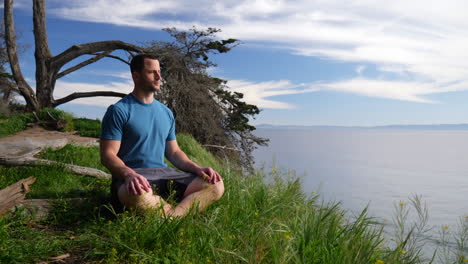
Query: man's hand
[177, 157]
[137, 184]
[209, 175]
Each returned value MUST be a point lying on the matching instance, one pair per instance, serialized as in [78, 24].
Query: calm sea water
[376, 168]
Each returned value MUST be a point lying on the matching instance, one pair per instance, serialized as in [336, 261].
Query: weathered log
[51, 124]
[14, 194]
[31, 161]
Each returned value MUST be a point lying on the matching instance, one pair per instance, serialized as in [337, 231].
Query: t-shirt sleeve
[112, 124]
[171, 135]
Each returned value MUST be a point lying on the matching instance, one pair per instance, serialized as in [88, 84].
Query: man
[137, 133]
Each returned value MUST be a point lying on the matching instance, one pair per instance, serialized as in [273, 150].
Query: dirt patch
[36, 138]
[37, 133]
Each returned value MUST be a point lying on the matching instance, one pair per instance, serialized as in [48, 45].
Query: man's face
[149, 79]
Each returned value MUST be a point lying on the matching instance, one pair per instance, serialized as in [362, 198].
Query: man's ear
[135, 76]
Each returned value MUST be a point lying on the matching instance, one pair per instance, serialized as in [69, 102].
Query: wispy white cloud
[360, 69]
[406, 91]
[424, 43]
[257, 93]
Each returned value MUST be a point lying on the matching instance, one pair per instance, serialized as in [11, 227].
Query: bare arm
[177, 157]
[135, 182]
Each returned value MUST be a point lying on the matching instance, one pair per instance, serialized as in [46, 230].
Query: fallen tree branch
[31, 161]
[14, 194]
[221, 147]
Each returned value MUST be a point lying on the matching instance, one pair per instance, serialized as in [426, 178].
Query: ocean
[376, 168]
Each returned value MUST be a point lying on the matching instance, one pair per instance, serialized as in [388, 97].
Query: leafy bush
[56, 114]
[87, 127]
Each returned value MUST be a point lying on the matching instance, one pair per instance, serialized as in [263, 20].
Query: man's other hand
[209, 175]
[137, 184]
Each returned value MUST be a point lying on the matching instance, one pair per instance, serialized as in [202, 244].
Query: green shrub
[56, 114]
[87, 127]
[195, 151]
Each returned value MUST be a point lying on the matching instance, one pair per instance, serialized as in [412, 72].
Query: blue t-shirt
[143, 130]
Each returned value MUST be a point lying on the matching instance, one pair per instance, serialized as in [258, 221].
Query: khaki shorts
[166, 182]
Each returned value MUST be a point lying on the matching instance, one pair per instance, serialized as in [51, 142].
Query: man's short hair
[138, 62]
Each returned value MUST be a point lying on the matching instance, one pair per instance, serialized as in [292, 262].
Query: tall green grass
[256, 221]
[14, 124]
[87, 127]
[10, 125]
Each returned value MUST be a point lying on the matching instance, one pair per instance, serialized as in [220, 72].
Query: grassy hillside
[257, 221]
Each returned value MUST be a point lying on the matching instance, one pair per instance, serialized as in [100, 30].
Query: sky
[302, 62]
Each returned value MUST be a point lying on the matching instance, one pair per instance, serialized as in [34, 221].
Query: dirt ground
[37, 138]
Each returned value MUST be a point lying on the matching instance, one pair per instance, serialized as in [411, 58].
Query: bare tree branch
[131, 53]
[118, 58]
[49, 67]
[220, 147]
[89, 48]
[74, 96]
[10, 41]
[84, 63]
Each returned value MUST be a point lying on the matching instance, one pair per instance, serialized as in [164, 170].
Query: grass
[257, 221]
[87, 128]
[55, 114]
[14, 124]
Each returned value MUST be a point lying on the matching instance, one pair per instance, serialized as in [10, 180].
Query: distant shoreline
[459, 127]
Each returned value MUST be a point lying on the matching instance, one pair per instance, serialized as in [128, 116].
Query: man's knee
[218, 190]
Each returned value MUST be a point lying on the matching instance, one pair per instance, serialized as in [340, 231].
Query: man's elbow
[171, 155]
[105, 158]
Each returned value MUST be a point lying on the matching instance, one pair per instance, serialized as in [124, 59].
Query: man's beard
[152, 88]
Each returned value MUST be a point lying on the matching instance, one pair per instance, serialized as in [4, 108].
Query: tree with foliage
[201, 103]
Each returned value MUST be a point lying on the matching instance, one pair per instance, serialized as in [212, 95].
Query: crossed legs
[198, 193]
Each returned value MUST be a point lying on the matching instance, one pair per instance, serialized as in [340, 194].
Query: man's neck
[143, 96]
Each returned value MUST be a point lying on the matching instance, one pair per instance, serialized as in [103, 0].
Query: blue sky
[303, 62]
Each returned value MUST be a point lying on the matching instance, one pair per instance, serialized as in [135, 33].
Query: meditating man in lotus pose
[137, 133]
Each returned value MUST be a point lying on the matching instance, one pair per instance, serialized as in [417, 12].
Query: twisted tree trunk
[49, 67]
[44, 76]
[10, 40]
